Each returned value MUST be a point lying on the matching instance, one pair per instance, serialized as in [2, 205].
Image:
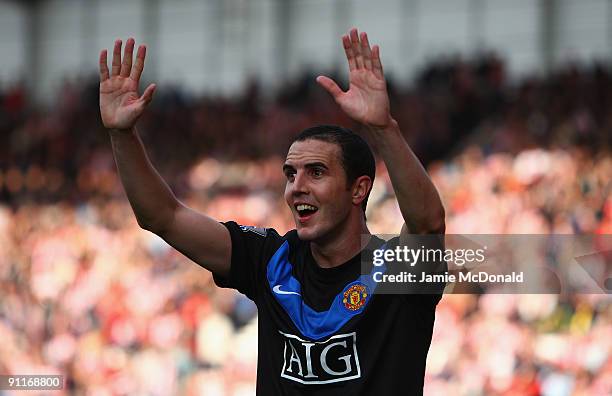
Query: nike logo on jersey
[277, 290]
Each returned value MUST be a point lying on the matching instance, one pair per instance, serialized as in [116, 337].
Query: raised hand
[120, 104]
[367, 100]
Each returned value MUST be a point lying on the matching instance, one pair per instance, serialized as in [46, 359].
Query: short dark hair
[356, 156]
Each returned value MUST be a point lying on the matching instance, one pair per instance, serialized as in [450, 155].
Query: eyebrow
[311, 165]
[316, 165]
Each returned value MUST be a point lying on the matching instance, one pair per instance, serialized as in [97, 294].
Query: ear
[361, 187]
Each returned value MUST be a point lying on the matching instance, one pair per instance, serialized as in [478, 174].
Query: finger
[376, 64]
[330, 86]
[103, 67]
[365, 51]
[126, 65]
[116, 68]
[147, 95]
[348, 50]
[139, 64]
[356, 48]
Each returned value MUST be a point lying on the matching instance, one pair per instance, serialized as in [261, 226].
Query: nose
[300, 184]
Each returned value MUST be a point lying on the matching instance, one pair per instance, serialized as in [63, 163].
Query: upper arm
[436, 225]
[201, 238]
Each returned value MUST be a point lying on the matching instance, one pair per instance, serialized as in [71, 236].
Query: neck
[342, 246]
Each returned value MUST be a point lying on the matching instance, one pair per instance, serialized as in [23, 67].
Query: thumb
[330, 86]
[147, 95]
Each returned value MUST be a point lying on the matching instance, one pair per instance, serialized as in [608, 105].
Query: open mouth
[304, 210]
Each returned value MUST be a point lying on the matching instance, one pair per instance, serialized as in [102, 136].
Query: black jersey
[322, 331]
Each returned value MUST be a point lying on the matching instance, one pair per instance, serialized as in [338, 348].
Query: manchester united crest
[355, 296]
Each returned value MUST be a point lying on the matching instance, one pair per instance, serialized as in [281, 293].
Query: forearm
[153, 202]
[418, 198]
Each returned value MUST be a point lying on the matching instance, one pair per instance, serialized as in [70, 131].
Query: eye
[290, 175]
[317, 172]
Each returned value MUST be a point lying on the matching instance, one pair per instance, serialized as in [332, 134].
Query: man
[321, 331]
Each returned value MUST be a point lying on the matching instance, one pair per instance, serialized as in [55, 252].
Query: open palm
[367, 100]
[120, 104]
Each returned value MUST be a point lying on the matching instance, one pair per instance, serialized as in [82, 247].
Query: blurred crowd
[84, 292]
[54, 153]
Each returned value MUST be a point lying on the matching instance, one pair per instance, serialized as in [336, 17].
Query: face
[316, 190]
